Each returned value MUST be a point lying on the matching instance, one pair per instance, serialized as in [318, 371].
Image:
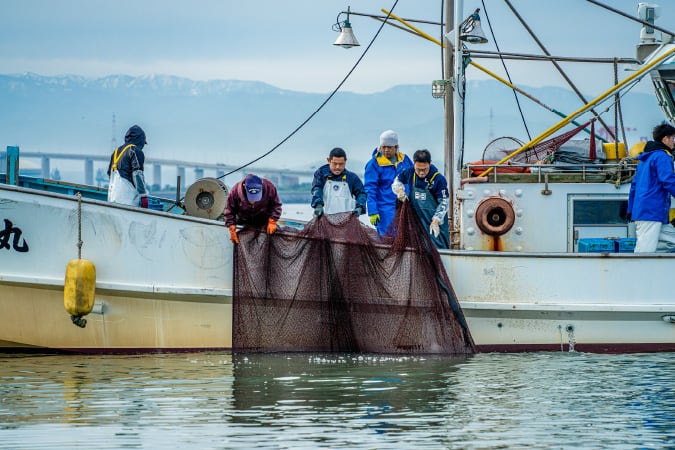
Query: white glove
[400, 194]
[434, 228]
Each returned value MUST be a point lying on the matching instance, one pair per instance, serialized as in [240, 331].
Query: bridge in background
[279, 175]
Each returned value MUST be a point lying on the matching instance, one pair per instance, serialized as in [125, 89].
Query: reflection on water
[219, 400]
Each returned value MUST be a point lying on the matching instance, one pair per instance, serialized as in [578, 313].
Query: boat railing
[619, 172]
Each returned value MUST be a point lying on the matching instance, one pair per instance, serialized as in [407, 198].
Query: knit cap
[388, 138]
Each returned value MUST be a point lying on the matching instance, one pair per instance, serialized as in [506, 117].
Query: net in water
[338, 286]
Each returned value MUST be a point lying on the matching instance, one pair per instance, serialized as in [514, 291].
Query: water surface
[220, 400]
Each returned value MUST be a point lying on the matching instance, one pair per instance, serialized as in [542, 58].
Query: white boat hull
[551, 301]
[164, 281]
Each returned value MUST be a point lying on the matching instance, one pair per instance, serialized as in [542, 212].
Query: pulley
[206, 198]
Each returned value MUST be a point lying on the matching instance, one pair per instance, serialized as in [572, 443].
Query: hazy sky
[288, 44]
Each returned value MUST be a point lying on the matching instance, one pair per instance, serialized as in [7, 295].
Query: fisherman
[252, 202]
[336, 189]
[381, 170]
[427, 189]
[651, 191]
[127, 180]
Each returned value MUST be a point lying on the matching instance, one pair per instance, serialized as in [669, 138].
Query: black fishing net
[338, 286]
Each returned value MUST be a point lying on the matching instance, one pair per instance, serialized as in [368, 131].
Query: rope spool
[206, 198]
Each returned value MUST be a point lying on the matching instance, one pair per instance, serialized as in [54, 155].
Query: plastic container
[625, 245]
[596, 245]
[610, 149]
[155, 204]
[636, 149]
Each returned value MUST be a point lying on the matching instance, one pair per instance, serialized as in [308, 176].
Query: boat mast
[448, 141]
[453, 110]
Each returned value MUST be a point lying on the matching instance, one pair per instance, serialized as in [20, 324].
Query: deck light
[471, 31]
[346, 39]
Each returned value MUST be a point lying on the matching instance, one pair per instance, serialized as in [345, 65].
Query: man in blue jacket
[336, 189]
[386, 163]
[650, 192]
[428, 192]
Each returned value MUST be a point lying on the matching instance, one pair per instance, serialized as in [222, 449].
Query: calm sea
[272, 401]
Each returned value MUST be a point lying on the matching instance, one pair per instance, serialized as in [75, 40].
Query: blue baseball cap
[253, 186]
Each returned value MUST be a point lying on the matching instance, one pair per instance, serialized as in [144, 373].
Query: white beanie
[388, 138]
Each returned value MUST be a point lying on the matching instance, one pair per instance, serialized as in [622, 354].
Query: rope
[619, 108]
[330, 96]
[79, 225]
[508, 75]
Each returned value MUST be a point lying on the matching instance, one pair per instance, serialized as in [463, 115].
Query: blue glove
[318, 210]
[358, 211]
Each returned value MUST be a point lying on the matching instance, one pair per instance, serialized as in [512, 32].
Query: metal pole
[449, 143]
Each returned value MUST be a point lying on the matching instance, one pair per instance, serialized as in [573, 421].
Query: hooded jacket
[653, 184]
[379, 175]
[133, 158]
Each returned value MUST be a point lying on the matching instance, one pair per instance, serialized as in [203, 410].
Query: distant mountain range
[233, 121]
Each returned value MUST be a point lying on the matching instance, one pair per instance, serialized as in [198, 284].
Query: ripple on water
[217, 400]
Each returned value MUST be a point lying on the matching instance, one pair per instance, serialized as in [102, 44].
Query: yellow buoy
[79, 289]
[636, 149]
[611, 148]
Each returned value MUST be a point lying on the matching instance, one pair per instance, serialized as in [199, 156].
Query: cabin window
[597, 217]
[600, 212]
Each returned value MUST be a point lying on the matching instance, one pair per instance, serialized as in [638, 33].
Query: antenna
[113, 142]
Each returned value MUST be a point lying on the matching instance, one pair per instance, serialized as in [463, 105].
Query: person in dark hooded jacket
[650, 192]
[127, 179]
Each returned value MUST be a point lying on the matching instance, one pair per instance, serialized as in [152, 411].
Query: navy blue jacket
[323, 173]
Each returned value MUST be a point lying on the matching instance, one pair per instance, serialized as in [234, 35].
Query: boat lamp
[346, 39]
[471, 31]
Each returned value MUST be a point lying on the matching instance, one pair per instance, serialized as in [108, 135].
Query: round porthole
[495, 216]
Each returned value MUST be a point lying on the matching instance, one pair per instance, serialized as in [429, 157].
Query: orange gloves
[271, 226]
[271, 229]
[233, 234]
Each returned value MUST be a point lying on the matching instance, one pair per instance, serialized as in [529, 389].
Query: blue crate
[155, 204]
[596, 245]
[625, 245]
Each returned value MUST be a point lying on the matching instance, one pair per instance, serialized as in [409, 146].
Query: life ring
[206, 198]
[495, 216]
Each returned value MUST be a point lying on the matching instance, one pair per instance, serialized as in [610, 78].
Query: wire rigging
[515, 94]
[330, 96]
[555, 63]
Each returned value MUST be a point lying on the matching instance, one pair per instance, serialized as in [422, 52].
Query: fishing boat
[541, 248]
[542, 256]
[540, 260]
[163, 281]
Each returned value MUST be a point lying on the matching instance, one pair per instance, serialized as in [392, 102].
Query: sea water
[309, 400]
